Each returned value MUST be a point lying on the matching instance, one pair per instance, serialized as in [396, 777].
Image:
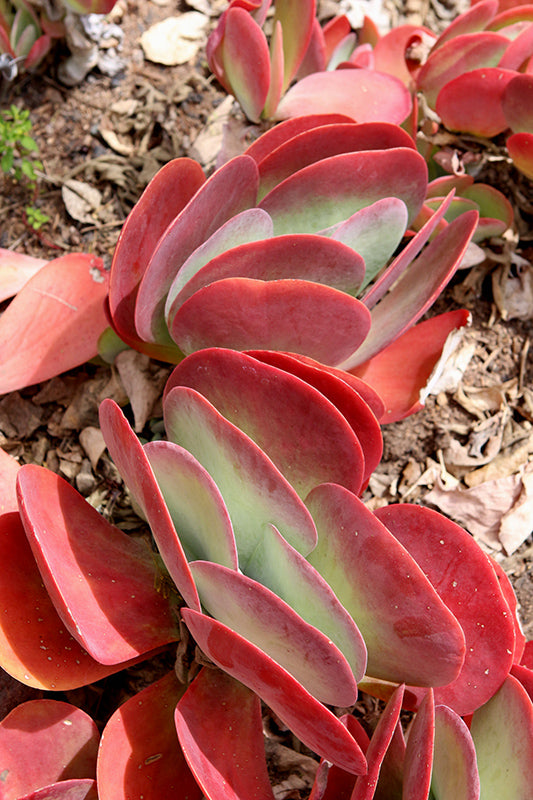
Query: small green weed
[17, 147]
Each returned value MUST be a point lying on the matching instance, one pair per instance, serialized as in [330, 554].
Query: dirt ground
[469, 452]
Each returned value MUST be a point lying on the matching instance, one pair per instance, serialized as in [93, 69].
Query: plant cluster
[287, 288]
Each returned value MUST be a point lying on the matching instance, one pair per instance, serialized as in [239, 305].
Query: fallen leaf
[81, 200]
[175, 40]
[517, 524]
[93, 443]
[512, 288]
[143, 386]
[484, 443]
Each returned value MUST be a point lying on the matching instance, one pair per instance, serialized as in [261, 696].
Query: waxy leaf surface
[261, 617]
[75, 789]
[418, 757]
[317, 727]
[520, 147]
[410, 634]
[65, 301]
[216, 717]
[295, 315]
[253, 489]
[329, 191]
[165, 196]
[303, 433]
[246, 61]
[100, 580]
[517, 103]
[284, 131]
[15, 270]
[455, 775]
[465, 580]
[45, 741]
[140, 753]
[364, 95]
[134, 467]
[472, 103]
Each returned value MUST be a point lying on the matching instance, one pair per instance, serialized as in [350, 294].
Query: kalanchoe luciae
[269, 570]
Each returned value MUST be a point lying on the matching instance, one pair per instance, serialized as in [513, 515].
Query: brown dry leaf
[480, 400]
[484, 443]
[506, 463]
[142, 382]
[512, 288]
[19, 418]
[295, 772]
[82, 411]
[92, 441]
[207, 145]
[124, 148]
[175, 40]
[81, 200]
[498, 513]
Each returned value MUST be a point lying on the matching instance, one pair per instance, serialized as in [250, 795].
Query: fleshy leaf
[283, 132]
[300, 316]
[296, 18]
[472, 103]
[54, 322]
[517, 103]
[312, 723]
[15, 270]
[254, 491]
[246, 61]
[476, 18]
[218, 716]
[403, 389]
[288, 574]
[364, 95]
[140, 754]
[75, 789]
[459, 56]
[391, 51]
[417, 289]
[35, 645]
[410, 634]
[306, 437]
[195, 504]
[165, 196]
[9, 468]
[375, 753]
[502, 731]
[261, 617]
[345, 397]
[100, 580]
[296, 256]
[236, 183]
[136, 471]
[465, 580]
[324, 141]
[520, 147]
[329, 191]
[252, 225]
[455, 775]
[418, 758]
[45, 741]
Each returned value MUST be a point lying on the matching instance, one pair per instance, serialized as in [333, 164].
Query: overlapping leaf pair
[292, 588]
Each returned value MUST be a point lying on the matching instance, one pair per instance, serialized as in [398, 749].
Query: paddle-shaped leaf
[289, 575]
[165, 196]
[317, 727]
[195, 504]
[473, 102]
[75, 789]
[517, 103]
[295, 425]
[284, 131]
[253, 489]
[236, 182]
[54, 322]
[35, 644]
[45, 741]
[418, 758]
[520, 147]
[261, 617]
[466, 582]
[502, 731]
[324, 141]
[375, 753]
[364, 95]
[15, 270]
[218, 716]
[134, 466]
[295, 315]
[406, 627]
[296, 18]
[246, 61]
[331, 190]
[417, 289]
[100, 580]
[140, 753]
[455, 774]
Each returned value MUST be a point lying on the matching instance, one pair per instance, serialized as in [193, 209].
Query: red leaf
[520, 147]
[295, 315]
[418, 760]
[296, 18]
[472, 103]
[219, 726]
[140, 755]
[45, 741]
[466, 582]
[269, 141]
[75, 789]
[517, 103]
[15, 270]
[246, 61]
[317, 727]
[54, 322]
[100, 580]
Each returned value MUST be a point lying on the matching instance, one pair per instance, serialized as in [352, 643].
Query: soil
[112, 133]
